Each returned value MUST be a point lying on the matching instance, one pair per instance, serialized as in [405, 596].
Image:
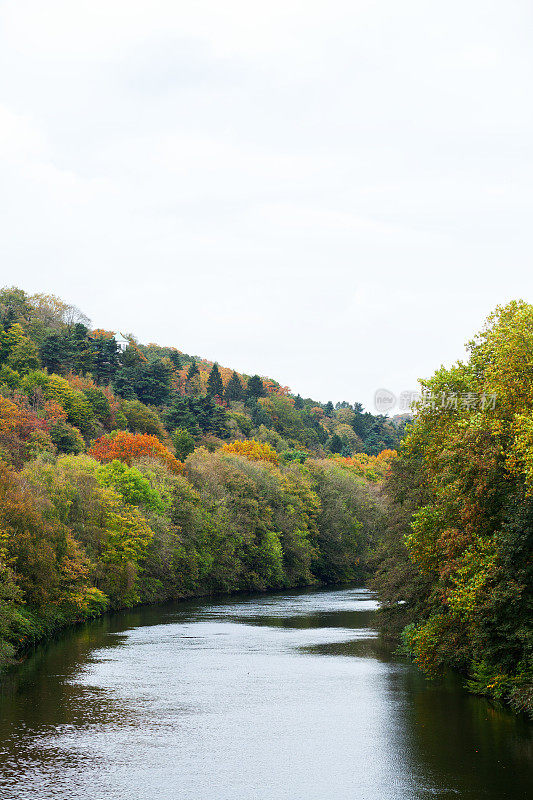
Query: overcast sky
[334, 194]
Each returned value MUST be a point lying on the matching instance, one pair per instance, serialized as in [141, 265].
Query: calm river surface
[250, 698]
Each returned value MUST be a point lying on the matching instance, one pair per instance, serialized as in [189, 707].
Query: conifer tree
[255, 388]
[193, 370]
[215, 387]
[234, 390]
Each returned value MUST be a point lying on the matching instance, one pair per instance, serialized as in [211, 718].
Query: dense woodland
[134, 473]
[141, 474]
[454, 565]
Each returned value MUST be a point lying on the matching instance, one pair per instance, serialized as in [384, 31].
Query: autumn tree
[130, 446]
[252, 449]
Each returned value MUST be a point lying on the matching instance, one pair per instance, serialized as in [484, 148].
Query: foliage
[463, 476]
[253, 450]
[148, 382]
[141, 419]
[215, 387]
[97, 512]
[129, 446]
[234, 389]
[183, 443]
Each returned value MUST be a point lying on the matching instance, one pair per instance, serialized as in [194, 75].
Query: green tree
[193, 370]
[234, 389]
[150, 382]
[105, 358]
[215, 387]
[56, 352]
[335, 444]
[183, 443]
[255, 388]
[66, 438]
[17, 350]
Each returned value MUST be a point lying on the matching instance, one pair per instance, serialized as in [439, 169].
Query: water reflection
[278, 696]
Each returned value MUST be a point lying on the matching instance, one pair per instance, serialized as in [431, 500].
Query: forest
[133, 473]
[453, 566]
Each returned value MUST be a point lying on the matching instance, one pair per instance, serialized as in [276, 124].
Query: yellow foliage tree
[253, 450]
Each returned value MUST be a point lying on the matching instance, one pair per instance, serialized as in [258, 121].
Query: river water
[282, 696]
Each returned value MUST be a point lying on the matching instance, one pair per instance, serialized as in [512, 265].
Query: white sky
[334, 194]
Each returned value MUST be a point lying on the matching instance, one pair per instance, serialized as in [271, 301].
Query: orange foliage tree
[373, 468]
[129, 446]
[252, 449]
[18, 424]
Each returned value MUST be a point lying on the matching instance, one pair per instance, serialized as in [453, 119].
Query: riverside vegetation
[138, 474]
[454, 566]
[135, 473]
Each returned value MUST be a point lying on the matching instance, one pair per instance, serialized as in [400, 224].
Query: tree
[193, 370]
[141, 419]
[234, 389]
[329, 409]
[181, 414]
[466, 461]
[106, 356]
[132, 356]
[175, 359]
[50, 567]
[56, 352]
[253, 450]
[255, 388]
[184, 443]
[197, 415]
[149, 382]
[215, 387]
[17, 350]
[298, 402]
[83, 355]
[130, 446]
[66, 438]
[14, 307]
[335, 444]
[131, 484]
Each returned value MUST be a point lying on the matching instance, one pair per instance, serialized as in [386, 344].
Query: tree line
[135, 474]
[454, 565]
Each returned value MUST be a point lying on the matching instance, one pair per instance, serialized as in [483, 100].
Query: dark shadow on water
[368, 646]
[332, 619]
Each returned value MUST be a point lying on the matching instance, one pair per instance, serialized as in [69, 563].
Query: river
[282, 696]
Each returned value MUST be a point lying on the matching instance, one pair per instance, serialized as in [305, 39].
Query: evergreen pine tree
[234, 390]
[193, 370]
[215, 387]
[255, 388]
[175, 359]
